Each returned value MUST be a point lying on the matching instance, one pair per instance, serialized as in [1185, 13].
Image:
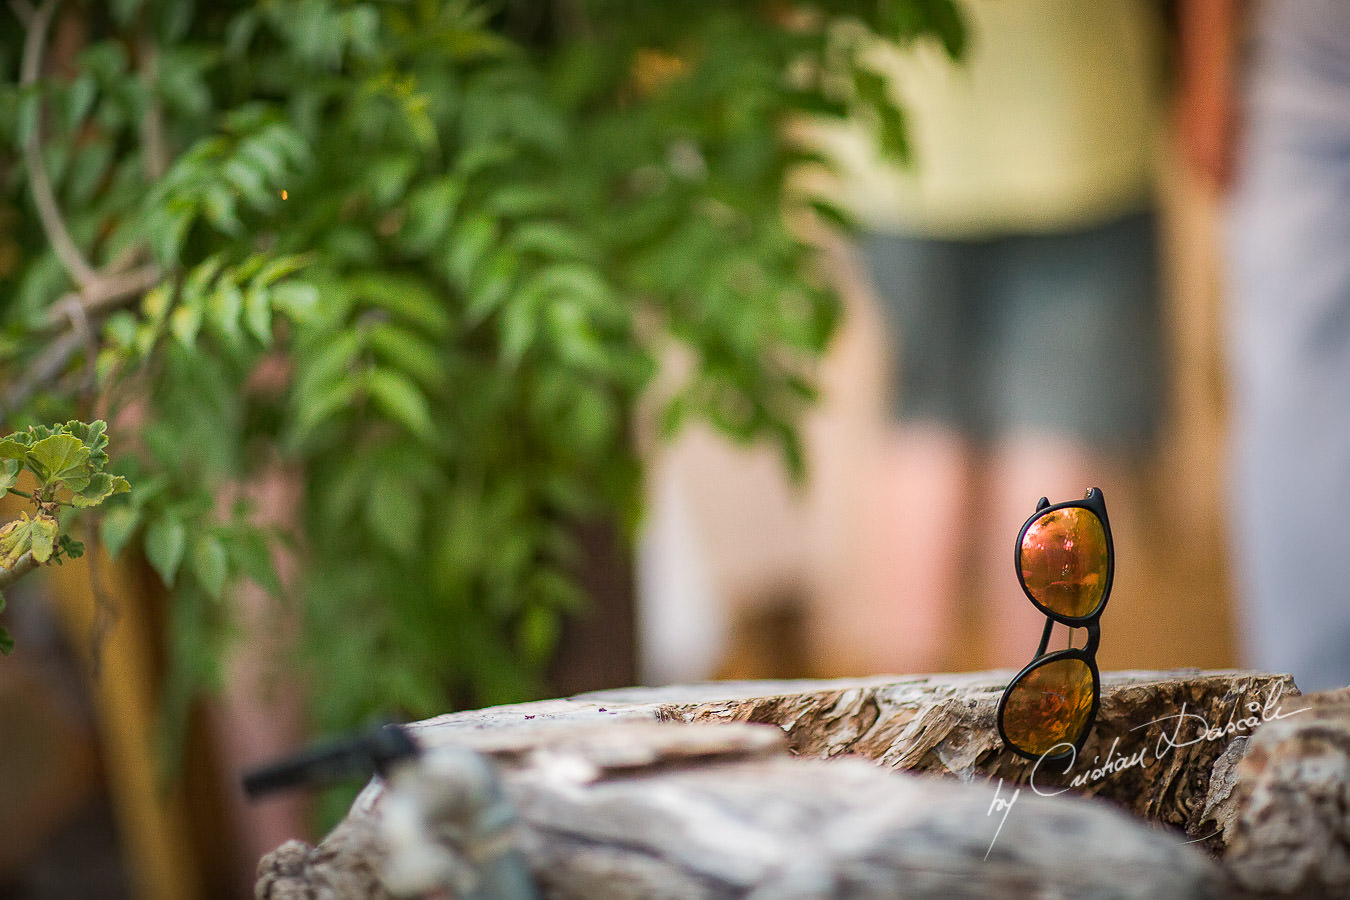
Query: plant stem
[22, 566]
[39, 500]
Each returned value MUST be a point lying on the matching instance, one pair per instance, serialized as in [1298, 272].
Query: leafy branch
[70, 321]
[426, 258]
[68, 464]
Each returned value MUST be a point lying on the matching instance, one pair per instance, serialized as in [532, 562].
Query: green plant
[427, 255]
[66, 463]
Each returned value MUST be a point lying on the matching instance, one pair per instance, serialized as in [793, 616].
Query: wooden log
[1152, 750]
[629, 810]
[614, 805]
[1291, 836]
[792, 828]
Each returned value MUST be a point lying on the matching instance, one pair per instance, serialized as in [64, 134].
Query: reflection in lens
[1049, 705]
[1064, 561]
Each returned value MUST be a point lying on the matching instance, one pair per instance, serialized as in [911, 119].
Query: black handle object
[372, 752]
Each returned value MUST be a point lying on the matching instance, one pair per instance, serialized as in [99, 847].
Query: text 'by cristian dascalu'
[1182, 729]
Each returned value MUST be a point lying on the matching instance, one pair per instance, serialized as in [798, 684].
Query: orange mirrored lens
[1064, 561]
[1049, 705]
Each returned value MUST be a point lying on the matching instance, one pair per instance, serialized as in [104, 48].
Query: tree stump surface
[944, 724]
[630, 794]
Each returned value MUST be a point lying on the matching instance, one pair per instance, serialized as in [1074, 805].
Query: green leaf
[226, 305]
[82, 93]
[72, 548]
[408, 351]
[44, 531]
[537, 633]
[101, 486]
[218, 202]
[469, 244]
[552, 240]
[165, 540]
[519, 325]
[210, 564]
[258, 313]
[185, 322]
[16, 539]
[6, 641]
[400, 399]
[387, 177]
[431, 209]
[118, 526]
[12, 449]
[94, 436]
[489, 291]
[525, 200]
[251, 555]
[248, 181]
[297, 299]
[408, 298]
[9, 473]
[166, 233]
[320, 405]
[278, 268]
[61, 457]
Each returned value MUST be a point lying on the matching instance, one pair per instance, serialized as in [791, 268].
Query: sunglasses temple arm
[1045, 635]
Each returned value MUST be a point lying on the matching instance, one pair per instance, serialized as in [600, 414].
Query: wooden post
[153, 821]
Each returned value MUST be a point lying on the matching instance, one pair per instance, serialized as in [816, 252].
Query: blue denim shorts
[1054, 333]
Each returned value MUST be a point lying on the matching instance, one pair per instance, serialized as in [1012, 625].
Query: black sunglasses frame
[1094, 503]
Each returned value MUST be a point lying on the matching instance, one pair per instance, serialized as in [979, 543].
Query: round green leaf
[61, 457]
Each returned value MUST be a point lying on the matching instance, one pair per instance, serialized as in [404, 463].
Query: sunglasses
[1065, 563]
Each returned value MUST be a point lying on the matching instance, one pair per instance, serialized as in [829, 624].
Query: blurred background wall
[739, 569]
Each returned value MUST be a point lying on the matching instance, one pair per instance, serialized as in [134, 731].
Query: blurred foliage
[427, 254]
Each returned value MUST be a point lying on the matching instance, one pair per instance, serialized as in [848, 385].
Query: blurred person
[1016, 265]
[1276, 137]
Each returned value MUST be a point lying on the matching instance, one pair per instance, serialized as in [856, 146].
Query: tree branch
[71, 319]
[105, 294]
[24, 11]
[43, 196]
[22, 566]
[152, 123]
